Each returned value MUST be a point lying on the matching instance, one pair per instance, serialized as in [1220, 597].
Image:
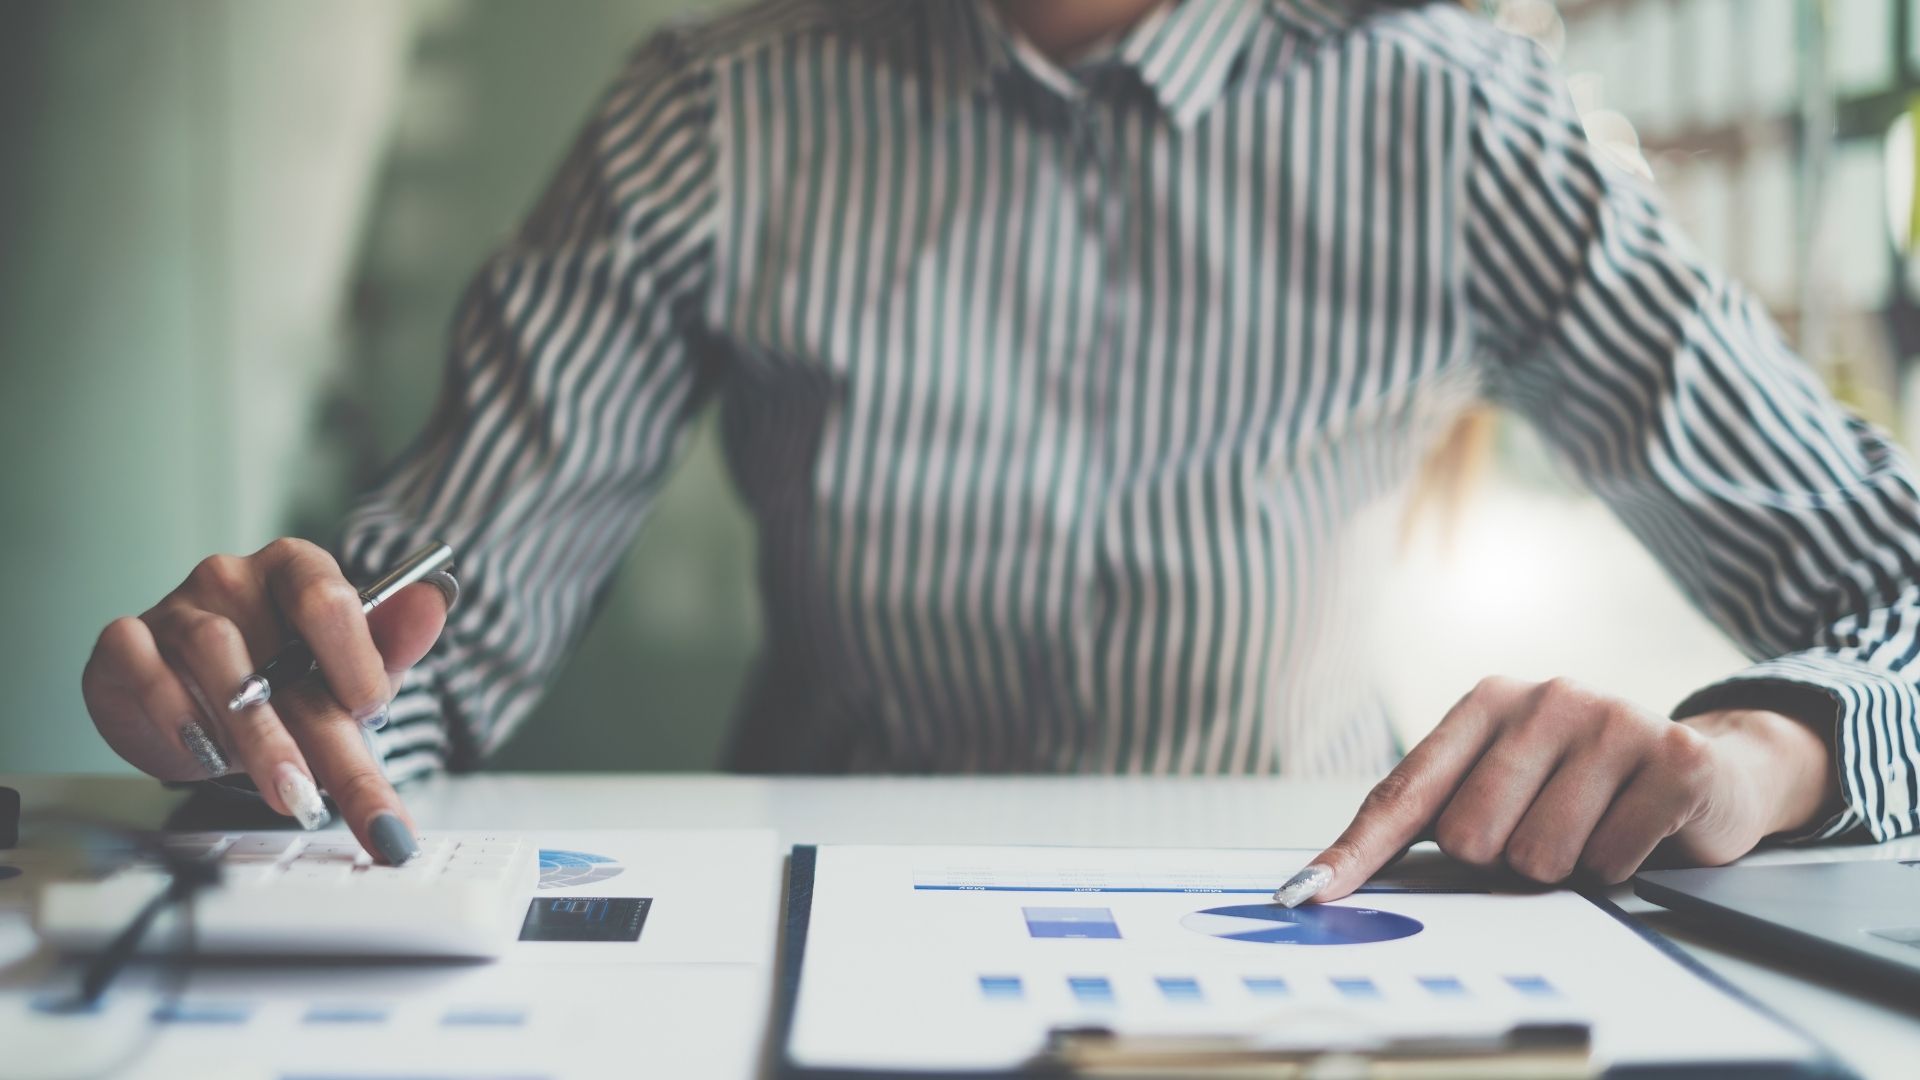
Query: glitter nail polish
[1303, 886]
[203, 749]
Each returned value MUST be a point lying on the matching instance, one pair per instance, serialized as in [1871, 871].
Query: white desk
[1878, 1035]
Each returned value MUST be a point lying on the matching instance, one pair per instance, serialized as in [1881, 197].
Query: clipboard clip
[1547, 1051]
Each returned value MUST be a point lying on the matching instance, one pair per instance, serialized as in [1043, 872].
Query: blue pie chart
[1318, 924]
[569, 869]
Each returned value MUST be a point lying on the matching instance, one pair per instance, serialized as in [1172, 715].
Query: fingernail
[1303, 886]
[301, 797]
[203, 749]
[373, 719]
[391, 839]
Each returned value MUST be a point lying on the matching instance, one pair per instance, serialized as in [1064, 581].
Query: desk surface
[1877, 1033]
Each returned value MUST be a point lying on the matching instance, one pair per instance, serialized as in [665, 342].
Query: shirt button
[1086, 138]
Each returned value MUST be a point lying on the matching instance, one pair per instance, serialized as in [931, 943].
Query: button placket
[1102, 228]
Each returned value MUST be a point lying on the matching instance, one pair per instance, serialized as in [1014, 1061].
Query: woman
[1060, 347]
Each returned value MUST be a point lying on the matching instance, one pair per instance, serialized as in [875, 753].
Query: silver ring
[448, 585]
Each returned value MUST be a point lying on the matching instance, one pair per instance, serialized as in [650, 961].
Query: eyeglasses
[187, 874]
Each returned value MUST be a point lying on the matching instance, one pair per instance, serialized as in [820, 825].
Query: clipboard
[1514, 1060]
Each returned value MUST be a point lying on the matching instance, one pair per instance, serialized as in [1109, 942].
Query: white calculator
[312, 894]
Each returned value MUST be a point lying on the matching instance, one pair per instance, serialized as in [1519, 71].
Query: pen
[295, 661]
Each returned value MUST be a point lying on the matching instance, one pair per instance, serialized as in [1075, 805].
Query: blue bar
[1179, 988]
[1001, 987]
[1444, 986]
[1266, 986]
[202, 1012]
[1533, 986]
[1071, 922]
[485, 1018]
[65, 1003]
[1355, 986]
[1092, 989]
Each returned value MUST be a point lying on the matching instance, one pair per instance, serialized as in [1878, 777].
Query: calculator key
[332, 856]
[330, 866]
[263, 844]
[405, 875]
[318, 874]
[247, 875]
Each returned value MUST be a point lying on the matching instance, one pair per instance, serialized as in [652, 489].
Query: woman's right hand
[157, 686]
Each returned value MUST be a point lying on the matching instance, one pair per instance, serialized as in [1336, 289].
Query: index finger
[1406, 801]
[326, 611]
[344, 763]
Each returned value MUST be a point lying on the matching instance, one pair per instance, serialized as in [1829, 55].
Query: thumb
[407, 625]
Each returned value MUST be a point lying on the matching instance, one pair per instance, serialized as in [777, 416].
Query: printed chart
[1270, 924]
[1071, 922]
[1225, 989]
[962, 959]
[572, 869]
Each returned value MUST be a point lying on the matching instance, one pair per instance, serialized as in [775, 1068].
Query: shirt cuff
[1867, 714]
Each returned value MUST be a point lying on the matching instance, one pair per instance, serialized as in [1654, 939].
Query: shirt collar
[1183, 52]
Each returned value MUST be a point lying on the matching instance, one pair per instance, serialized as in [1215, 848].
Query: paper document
[645, 953]
[964, 958]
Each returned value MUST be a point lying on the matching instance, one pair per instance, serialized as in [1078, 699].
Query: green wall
[496, 92]
[210, 202]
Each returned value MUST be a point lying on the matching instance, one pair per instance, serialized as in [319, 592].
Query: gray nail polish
[203, 749]
[374, 719]
[391, 840]
[1303, 886]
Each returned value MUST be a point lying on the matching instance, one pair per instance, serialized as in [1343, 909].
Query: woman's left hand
[1554, 780]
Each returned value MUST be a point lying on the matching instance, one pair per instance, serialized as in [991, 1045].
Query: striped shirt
[1073, 403]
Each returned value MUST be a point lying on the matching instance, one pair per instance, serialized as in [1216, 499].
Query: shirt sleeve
[569, 384]
[1792, 524]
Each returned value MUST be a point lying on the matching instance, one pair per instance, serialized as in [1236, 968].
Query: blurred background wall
[232, 234]
[231, 237]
